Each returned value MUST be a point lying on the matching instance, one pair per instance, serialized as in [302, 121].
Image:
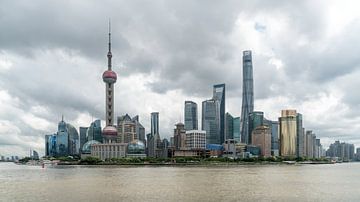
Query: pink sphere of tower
[109, 131]
[109, 76]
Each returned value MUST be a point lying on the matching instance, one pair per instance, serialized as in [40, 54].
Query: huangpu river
[337, 182]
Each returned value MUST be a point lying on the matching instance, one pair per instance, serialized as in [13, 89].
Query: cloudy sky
[53, 53]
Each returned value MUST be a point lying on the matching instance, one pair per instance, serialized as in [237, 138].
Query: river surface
[339, 182]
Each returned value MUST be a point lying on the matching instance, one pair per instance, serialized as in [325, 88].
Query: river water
[339, 182]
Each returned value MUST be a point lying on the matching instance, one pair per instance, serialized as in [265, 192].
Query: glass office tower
[236, 129]
[219, 95]
[210, 121]
[191, 116]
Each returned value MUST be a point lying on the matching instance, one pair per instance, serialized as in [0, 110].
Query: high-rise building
[314, 146]
[139, 129]
[154, 140]
[210, 121]
[288, 132]
[94, 131]
[47, 144]
[256, 119]
[261, 137]
[109, 77]
[309, 142]
[343, 151]
[275, 138]
[247, 96]
[236, 131]
[154, 123]
[196, 139]
[126, 129]
[191, 115]
[229, 126]
[83, 138]
[219, 95]
[179, 136]
[63, 143]
[299, 136]
[318, 149]
[357, 154]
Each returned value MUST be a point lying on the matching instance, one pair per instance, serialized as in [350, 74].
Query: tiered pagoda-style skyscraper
[247, 97]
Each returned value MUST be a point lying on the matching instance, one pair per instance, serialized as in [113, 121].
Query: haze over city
[52, 55]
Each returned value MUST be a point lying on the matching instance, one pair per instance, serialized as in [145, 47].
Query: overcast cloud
[53, 53]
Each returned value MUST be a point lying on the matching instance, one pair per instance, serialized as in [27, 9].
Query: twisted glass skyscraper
[247, 96]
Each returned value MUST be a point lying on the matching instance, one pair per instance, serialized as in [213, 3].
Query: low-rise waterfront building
[189, 153]
[196, 139]
[108, 150]
[214, 150]
[136, 148]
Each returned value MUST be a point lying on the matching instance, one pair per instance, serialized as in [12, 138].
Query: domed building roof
[86, 149]
[109, 131]
[136, 147]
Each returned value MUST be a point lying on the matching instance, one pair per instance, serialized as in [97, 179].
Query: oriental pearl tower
[109, 77]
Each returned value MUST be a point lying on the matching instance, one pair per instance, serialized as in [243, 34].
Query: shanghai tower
[247, 97]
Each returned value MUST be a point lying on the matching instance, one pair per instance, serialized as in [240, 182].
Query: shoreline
[212, 164]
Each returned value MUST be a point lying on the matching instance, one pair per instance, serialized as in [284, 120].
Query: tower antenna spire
[109, 55]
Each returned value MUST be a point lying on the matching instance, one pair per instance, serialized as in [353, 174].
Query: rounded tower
[109, 77]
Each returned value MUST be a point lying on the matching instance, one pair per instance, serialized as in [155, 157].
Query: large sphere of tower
[109, 131]
[109, 76]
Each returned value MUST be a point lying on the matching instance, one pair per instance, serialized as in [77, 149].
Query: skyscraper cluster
[342, 151]
[64, 142]
[247, 135]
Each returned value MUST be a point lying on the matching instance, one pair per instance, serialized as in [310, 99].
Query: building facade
[191, 115]
[229, 129]
[261, 137]
[154, 123]
[83, 137]
[63, 143]
[210, 121]
[299, 136]
[275, 138]
[219, 96]
[287, 133]
[179, 136]
[108, 150]
[342, 150]
[196, 139]
[236, 129]
[126, 129]
[94, 131]
[247, 96]
[309, 144]
[139, 129]
[255, 120]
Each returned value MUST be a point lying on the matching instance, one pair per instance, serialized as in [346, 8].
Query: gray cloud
[173, 48]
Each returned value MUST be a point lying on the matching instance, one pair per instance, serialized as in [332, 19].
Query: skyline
[185, 73]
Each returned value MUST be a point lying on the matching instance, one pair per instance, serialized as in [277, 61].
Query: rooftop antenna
[109, 55]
